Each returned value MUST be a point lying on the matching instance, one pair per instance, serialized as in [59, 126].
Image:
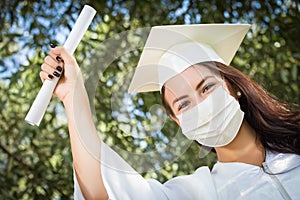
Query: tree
[35, 162]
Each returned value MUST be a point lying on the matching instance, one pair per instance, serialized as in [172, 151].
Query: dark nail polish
[56, 74]
[50, 76]
[58, 58]
[59, 68]
[52, 45]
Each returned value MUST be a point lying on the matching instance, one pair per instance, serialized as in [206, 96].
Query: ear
[174, 118]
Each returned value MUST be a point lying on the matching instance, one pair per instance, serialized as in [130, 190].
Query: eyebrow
[202, 81]
[180, 98]
[197, 87]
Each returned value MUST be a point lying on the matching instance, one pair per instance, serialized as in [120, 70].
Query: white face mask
[215, 121]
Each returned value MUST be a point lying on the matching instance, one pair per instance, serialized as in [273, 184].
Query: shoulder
[201, 175]
[198, 185]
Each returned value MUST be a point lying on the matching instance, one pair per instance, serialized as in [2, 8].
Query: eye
[183, 105]
[207, 87]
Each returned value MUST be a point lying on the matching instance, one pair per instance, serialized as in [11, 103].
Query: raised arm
[82, 131]
[99, 171]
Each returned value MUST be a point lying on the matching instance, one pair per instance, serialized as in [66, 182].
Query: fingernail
[58, 58]
[50, 76]
[59, 68]
[52, 45]
[56, 74]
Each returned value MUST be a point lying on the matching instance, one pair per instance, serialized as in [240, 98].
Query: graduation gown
[279, 178]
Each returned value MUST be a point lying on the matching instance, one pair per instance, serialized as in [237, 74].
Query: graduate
[255, 136]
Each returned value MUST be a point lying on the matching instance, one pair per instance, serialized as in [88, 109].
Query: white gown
[226, 181]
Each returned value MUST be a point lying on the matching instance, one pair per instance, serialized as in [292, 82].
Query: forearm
[85, 144]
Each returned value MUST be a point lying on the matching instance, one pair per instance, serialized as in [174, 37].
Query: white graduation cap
[171, 49]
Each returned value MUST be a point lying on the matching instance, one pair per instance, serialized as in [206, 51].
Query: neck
[244, 148]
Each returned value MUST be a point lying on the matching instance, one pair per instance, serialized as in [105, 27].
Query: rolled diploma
[42, 100]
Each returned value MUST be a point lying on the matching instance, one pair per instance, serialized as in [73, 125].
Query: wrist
[76, 95]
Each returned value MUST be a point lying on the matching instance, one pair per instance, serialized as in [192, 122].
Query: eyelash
[207, 87]
[182, 105]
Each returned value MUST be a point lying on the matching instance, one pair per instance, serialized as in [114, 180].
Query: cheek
[166, 101]
[168, 97]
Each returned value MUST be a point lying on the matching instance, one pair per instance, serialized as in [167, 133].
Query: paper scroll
[40, 104]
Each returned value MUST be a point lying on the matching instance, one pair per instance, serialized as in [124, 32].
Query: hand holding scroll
[66, 69]
[39, 106]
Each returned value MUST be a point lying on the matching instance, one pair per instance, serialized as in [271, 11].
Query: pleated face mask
[215, 121]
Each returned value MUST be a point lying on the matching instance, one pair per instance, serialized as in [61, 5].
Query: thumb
[65, 56]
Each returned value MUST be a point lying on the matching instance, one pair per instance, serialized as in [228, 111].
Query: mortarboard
[171, 49]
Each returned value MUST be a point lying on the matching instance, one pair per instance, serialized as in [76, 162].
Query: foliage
[35, 162]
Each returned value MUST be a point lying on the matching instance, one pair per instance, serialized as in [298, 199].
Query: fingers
[55, 56]
[44, 76]
[49, 60]
[53, 65]
[51, 68]
[60, 53]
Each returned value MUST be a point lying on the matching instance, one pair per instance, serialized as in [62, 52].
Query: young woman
[255, 136]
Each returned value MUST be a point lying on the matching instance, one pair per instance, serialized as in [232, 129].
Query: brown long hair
[276, 123]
